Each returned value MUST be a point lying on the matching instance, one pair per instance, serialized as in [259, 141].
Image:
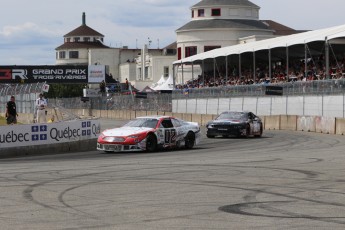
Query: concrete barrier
[340, 126]
[196, 118]
[206, 118]
[178, 115]
[104, 113]
[187, 117]
[141, 113]
[325, 125]
[272, 122]
[288, 122]
[168, 114]
[152, 113]
[306, 123]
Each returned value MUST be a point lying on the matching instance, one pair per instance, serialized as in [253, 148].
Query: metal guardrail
[291, 88]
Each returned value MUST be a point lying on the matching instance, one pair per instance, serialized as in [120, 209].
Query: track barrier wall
[44, 138]
[318, 124]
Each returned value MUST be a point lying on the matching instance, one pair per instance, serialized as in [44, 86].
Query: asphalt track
[284, 180]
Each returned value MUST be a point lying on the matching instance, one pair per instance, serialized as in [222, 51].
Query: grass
[2, 120]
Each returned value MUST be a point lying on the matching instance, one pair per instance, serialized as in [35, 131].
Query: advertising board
[48, 133]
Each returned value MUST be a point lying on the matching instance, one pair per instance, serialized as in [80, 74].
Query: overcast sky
[31, 30]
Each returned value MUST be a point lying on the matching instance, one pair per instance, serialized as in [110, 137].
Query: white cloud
[31, 36]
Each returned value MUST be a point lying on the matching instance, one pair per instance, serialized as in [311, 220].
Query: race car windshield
[232, 115]
[149, 123]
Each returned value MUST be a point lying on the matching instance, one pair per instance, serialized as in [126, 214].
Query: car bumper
[226, 132]
[118, 148]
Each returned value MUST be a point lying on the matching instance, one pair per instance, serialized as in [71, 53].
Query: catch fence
[25, 96]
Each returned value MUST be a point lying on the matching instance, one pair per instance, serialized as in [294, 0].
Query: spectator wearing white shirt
[41, 105]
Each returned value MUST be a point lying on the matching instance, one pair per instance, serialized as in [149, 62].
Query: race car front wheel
[151, 143]
[190, 140]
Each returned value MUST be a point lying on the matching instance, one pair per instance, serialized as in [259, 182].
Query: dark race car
[238, 124]
[150, 133]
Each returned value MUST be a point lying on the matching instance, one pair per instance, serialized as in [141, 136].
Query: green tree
[65, 90]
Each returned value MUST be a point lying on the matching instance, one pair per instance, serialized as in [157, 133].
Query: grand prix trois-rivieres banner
[52, 74]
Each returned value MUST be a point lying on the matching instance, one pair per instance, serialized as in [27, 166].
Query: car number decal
[170, 136]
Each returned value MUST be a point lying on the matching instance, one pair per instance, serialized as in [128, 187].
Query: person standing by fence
[11, 111]
[41, 105]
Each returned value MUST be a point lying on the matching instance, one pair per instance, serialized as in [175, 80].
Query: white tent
[159, 82]
[167, 85]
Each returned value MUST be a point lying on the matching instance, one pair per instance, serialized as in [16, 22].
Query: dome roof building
[74, 50]
[219, 23]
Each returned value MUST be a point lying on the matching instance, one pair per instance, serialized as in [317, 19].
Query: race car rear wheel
[190, 140]
[151, 143]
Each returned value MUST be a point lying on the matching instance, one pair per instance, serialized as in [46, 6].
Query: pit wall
[318, 124]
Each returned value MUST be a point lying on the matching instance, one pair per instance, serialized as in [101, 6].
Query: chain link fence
[153, 102]
[25, 95]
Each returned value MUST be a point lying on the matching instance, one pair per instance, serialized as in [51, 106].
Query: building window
[190, 51]
[166, 71]
[201, 13]
[62, 55]
[192, 13]
[147, 72]
[86, 39]
[215, 12]
[179, 53]
[76, 39]
[73, 54]
[140, 77]
[68, 39]
[208, 48]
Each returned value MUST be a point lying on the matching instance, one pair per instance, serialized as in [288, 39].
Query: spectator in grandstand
[11, 111]
[41, 105]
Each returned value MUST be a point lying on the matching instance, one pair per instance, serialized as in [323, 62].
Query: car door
[168, 131]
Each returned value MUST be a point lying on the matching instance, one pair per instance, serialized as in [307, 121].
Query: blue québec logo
[86, 128]
[39, 133]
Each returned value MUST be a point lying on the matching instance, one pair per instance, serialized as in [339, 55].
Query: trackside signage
[52, 74]
[50, 133]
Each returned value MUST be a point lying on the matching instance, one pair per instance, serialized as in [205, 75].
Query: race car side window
[166, 123]
[176, 122]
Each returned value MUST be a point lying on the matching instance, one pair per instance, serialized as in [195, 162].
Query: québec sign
[52, 133]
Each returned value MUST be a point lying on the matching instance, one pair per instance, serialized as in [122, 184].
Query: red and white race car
[150, 133]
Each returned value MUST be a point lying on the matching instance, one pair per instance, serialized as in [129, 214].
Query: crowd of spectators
[315, 71]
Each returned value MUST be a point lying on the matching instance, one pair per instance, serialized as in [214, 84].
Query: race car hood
[227, 121]
[125, 131]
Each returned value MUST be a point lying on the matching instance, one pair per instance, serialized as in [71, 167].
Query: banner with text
[52, 74]
[48, 133]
